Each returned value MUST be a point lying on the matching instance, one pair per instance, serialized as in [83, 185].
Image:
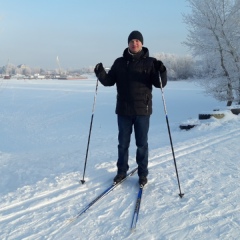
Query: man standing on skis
[134, 75]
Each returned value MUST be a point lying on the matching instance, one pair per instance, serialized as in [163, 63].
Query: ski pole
[90, 130]
[170, 138]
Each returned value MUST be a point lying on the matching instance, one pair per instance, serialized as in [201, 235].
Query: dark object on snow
[235, 111]
[202, 116]
[187, 126]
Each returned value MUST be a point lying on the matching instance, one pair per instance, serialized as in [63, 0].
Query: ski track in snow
[193, 147]
[21, 214]
[208, 167]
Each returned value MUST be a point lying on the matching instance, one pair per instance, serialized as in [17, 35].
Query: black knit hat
[135, 35]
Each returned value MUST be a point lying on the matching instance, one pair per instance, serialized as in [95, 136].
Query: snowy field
[44, 131]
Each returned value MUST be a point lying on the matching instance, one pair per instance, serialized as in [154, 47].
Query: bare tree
[214, 35]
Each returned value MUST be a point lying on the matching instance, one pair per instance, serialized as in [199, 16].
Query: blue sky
[84, 32]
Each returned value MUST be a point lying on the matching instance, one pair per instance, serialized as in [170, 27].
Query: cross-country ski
[102, 195]
[137, 209]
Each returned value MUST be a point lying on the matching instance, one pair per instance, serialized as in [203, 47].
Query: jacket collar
[133, 57]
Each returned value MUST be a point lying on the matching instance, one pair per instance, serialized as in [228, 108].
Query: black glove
[99, 68]
[158, 65]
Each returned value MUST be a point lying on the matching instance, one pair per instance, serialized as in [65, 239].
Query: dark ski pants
[125, 127]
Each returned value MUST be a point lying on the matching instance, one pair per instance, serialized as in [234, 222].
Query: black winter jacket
[134, 76]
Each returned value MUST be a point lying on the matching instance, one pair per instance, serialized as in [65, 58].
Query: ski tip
[82, 181]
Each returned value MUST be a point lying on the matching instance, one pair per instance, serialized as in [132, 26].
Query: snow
[44, 132]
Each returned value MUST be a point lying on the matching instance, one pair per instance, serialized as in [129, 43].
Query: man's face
[135, 45]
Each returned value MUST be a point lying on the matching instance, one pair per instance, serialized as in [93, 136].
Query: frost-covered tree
[26, 71]
[214, 34]
[178, 67]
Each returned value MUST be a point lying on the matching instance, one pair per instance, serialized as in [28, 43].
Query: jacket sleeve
[107, 79]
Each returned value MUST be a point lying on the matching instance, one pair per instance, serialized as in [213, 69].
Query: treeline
[178, 68]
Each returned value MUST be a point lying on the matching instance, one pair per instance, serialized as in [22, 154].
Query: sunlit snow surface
[44, 132]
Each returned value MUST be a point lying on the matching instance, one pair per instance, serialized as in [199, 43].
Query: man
[134, 75]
